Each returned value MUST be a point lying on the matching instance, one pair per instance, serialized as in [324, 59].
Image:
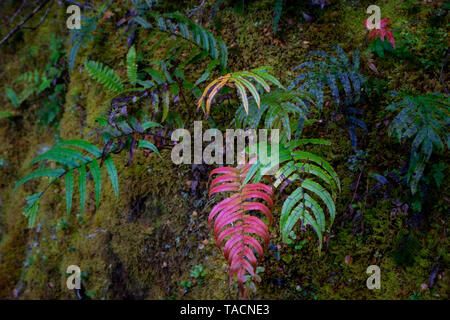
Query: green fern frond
[310, 173]
[425, 120]
[104, 75]
[276, 110]
[324, 69]
[179, 25]
[71, 160]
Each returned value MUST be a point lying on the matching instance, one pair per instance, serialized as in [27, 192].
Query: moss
[143, 244]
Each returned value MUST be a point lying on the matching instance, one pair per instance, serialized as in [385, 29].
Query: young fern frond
[240, 80]
[104, 75]
[234, 228]
[425, 120]
[310, 173]
[276, 110]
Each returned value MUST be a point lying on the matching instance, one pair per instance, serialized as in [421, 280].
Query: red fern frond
[234, 228]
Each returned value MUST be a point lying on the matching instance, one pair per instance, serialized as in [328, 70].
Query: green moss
[143, 244]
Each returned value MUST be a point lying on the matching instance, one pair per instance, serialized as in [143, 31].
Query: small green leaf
[148, 145]
[111, 168]
[150, 124]
[52, 173]
[132, 65]
[82, 187]
[89, 147]
[69, 190]
[13, 97]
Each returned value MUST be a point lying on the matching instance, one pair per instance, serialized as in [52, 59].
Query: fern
[424, 119]
[104, 75]
[166, 76]
[334, 71]
[242, 82]
[181, 26]
[311, 173]
[234, 228]
[276, 110]
[72, 161]
[341, 76]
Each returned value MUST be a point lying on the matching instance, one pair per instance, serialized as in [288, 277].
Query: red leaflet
[234, 228]
[384, 31]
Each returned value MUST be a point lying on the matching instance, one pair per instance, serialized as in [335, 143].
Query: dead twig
[42, 19]
[194, 10]
[21, 23]
[22, 6]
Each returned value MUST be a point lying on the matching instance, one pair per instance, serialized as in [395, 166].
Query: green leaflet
[69, 190]
[31, 214]
[267, 76]
[148, 145]
[32, 208]
[207, 72]
[156, 75]
[82, 187]
[223, 54]
[5, 114]
[243, 95]
[276, 110]
[323, 194]
[165, 105]
[317, 210]
[255, 77]
[150, 124]
[12, 97]
[288, 205]
[302, 155]
[51, 173]
[132, 65]
[95, 151]
[62, 155]
[252, 89]
[111, 168]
